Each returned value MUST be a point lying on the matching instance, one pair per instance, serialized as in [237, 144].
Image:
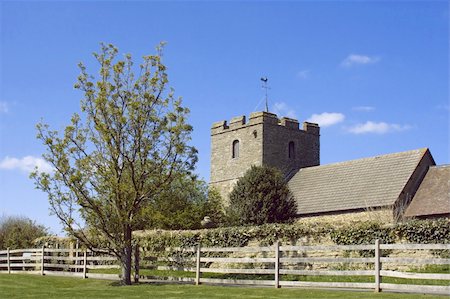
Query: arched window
[235, 149]
[291, 150]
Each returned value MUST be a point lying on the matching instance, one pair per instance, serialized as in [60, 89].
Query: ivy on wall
[364, 233]
[424, 231]
[418, 231]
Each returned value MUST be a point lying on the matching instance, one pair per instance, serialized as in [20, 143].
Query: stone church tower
[263, 140]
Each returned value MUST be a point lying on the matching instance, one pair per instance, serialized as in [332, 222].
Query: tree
[19, 232]
[183, 206]
[261, 196]
[129, 145]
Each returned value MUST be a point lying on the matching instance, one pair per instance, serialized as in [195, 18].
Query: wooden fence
[59, 262]
[284, 260]
[273, 262]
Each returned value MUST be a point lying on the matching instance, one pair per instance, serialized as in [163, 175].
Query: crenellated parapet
[265, 118]
[261, 139]
[311, 128]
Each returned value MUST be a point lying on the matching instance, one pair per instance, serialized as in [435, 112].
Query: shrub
[19, 232]
[183, 205]
[261, 196]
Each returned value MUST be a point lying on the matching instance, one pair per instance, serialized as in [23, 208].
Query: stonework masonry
[383, 215]
[263, 140]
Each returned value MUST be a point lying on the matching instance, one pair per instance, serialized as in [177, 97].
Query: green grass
[34, 286]
[432, 269]
[321, 278]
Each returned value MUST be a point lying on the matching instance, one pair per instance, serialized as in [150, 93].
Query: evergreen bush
[261, 196]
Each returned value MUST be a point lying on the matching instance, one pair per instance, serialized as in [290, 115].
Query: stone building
[432, 199]
[263, 140]
[379, 187]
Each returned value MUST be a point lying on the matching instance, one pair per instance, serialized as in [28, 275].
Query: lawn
[34, 286]
[163, 274]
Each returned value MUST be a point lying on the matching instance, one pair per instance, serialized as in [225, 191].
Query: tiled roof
[433, 195]
[370, 182]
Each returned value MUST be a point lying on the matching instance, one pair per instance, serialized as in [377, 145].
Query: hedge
[417, 231]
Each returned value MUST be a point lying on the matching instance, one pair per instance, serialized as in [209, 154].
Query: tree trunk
[126, 257]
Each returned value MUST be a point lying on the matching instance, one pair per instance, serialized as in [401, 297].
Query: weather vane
[264, 85]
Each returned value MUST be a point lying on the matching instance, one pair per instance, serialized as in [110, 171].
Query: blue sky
[375, 75]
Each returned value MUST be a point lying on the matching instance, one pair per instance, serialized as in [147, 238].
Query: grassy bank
[34, 286]
[161, 274]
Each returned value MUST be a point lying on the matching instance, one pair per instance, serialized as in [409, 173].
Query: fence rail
[50, 261]
[276, 261]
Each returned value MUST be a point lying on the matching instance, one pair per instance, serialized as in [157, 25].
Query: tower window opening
[291, 150]
[235, 149]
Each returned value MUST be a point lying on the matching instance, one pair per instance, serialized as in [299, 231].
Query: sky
[373, 74]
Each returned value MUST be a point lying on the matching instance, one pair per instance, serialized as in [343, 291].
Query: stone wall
[276, 145]
[225, 170]
[369, 215]
[224, 188]
[412, 185]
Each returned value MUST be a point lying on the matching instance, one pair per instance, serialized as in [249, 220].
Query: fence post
[377, 265]
[197, 270]
[8, 260]
[84, 264]
[277, 264]
[136, 263]
[77, 262]
[42, 259]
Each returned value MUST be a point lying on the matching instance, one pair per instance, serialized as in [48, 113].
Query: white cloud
[4, 107]
[364, 108]
[326, 119]
[377, 128]
[355, 59]
[282, 109]
[303, 74]
[26, 164]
